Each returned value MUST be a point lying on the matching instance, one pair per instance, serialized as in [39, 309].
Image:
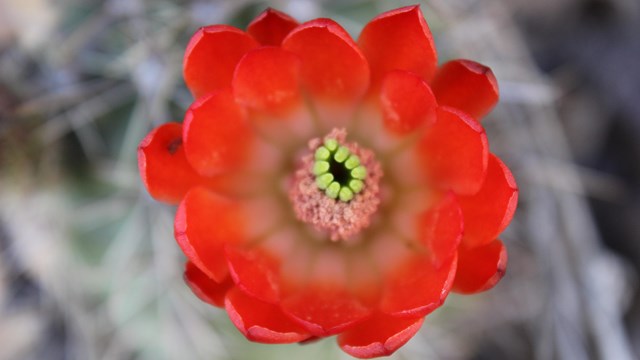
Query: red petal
[466, 85]
[332, 65]
[255, 265]
[489, 211]
[417, 287]
[326, 305]
[364, 283]
[205, 223]
[480, 268]
[255, 272]
[369, 124]
[217, 135]
[163, 166]
[441, 229]
[205, 288]
[267, 79]
[260, 321]
[211, 57]
[429, 221]
[271, 27]
[399, 40]
[381, 335]
[455, 152]
[407, 102]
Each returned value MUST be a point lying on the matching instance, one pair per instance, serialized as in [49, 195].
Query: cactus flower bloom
[327, 186]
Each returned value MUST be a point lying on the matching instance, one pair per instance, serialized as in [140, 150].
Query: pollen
[336, 186]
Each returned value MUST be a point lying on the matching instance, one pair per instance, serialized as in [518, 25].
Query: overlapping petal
[205, 288]
[399, 40]
[256, 273]
[271, 27]
[455, 152]
[205, 223]
[268, 79]
[466, 85]
[333, 68]
[325, 303]
[260, 321]
[363, 279]
[211, 57]
[380, 335]
[255, 263]
[488, 212]
[480, 268]
[407, 102]
[217, 136]
[416, 287]
[163, 166]
[430, 223]
[440, 228]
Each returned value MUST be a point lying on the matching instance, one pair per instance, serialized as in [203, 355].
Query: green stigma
[338, 172]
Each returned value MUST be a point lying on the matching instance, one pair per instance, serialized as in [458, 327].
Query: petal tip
[380, 336]
[261, 322]
[481, 268]
[211, 55]
[271, 26]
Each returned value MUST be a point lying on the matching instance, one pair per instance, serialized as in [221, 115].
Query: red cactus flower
[328, 186]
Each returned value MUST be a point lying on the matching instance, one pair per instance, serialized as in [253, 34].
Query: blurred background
[88, 265]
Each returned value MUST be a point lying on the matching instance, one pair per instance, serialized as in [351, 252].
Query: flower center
[336, 187]
[338, 172]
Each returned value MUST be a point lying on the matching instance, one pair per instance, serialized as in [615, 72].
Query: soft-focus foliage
[82, 276]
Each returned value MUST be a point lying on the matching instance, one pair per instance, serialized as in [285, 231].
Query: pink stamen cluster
[338, 219]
